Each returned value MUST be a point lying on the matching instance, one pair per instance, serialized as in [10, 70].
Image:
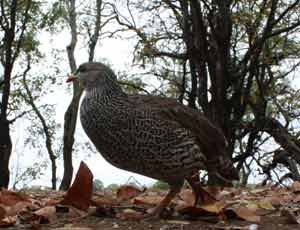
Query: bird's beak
[72, 77]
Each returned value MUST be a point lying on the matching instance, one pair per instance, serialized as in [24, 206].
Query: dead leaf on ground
[2, 213]
[289, 217]
[80, 193]
[246, 214]
[130, 214]
[296, 187]
[100, 201]
[187, 198]
[216, 207]
[126, 192]
[10, 198]
[47, 213]
[266, 205]
[147, 200]
[17, 208]
[8, 221]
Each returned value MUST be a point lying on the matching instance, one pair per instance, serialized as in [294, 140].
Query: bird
[154, 136]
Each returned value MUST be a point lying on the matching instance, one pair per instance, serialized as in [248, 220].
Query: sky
[119, 53]
[116, 51]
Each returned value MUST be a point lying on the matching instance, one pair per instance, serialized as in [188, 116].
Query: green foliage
[23, 177]
[161, 185]
[55, 17]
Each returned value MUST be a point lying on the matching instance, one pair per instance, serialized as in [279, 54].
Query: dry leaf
[80, 193]
[127, 192]
[246, 214]
[48, 214]
[8, 221]
[266, 205]
[2, 213]
[147, 200]
[289, 217]
[296, 187]
[130, 214]
[100, 201]
[187, 196]
[9, 198]
[216, 207]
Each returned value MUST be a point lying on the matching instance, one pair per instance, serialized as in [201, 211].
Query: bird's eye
[82, 69]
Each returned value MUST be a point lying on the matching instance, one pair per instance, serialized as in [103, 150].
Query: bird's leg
[164, 203]
[201, 195]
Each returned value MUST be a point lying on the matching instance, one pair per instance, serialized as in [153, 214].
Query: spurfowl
[149, 135]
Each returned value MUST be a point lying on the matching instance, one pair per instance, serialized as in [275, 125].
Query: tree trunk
[69, 130]
[5, 152]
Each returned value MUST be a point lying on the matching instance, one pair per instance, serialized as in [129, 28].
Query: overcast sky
[117, 52]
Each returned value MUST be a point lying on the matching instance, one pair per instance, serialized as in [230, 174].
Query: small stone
[165, 227]
[253, 227]
[115, 225]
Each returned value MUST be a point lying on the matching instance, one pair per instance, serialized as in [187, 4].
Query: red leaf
[10, 198]
[80, 193]
[127, 192]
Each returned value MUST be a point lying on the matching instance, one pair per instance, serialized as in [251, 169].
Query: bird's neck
[109, 90]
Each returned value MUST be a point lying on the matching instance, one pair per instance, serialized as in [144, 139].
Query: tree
[13, 24]
[93, 23]
[20, 23]
[229, 60]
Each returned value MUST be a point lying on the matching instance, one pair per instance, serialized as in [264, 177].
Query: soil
[88, 223]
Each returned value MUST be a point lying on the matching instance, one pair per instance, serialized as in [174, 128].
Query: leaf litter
[234, 208]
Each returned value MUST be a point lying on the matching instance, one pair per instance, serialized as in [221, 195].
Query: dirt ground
[268, 223]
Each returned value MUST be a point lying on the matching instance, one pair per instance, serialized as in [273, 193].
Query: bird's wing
[209, 137]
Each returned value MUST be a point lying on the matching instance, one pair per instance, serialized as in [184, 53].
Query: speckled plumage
[153, 136]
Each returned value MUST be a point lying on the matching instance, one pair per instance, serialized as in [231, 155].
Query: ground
[80, 208]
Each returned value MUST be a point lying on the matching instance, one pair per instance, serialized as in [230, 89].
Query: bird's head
[92, 74]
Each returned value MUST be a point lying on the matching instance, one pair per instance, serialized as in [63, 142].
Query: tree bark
[72, 111]
[46, 129]
[5, 152]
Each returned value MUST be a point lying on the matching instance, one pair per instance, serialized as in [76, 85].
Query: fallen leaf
[296, 187]
[8, 221]
[2, 213]
[289, 217]
[80, 193]
[10, 198]
[130, 214]
[127, 192]
[69, 226]
[100, 201]
[147, 200]
[187, 196]
[266, 205]
[48, 214]
[215, 207]
[297, 198]
[274, 200]
[246, 214]
[181, 222]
